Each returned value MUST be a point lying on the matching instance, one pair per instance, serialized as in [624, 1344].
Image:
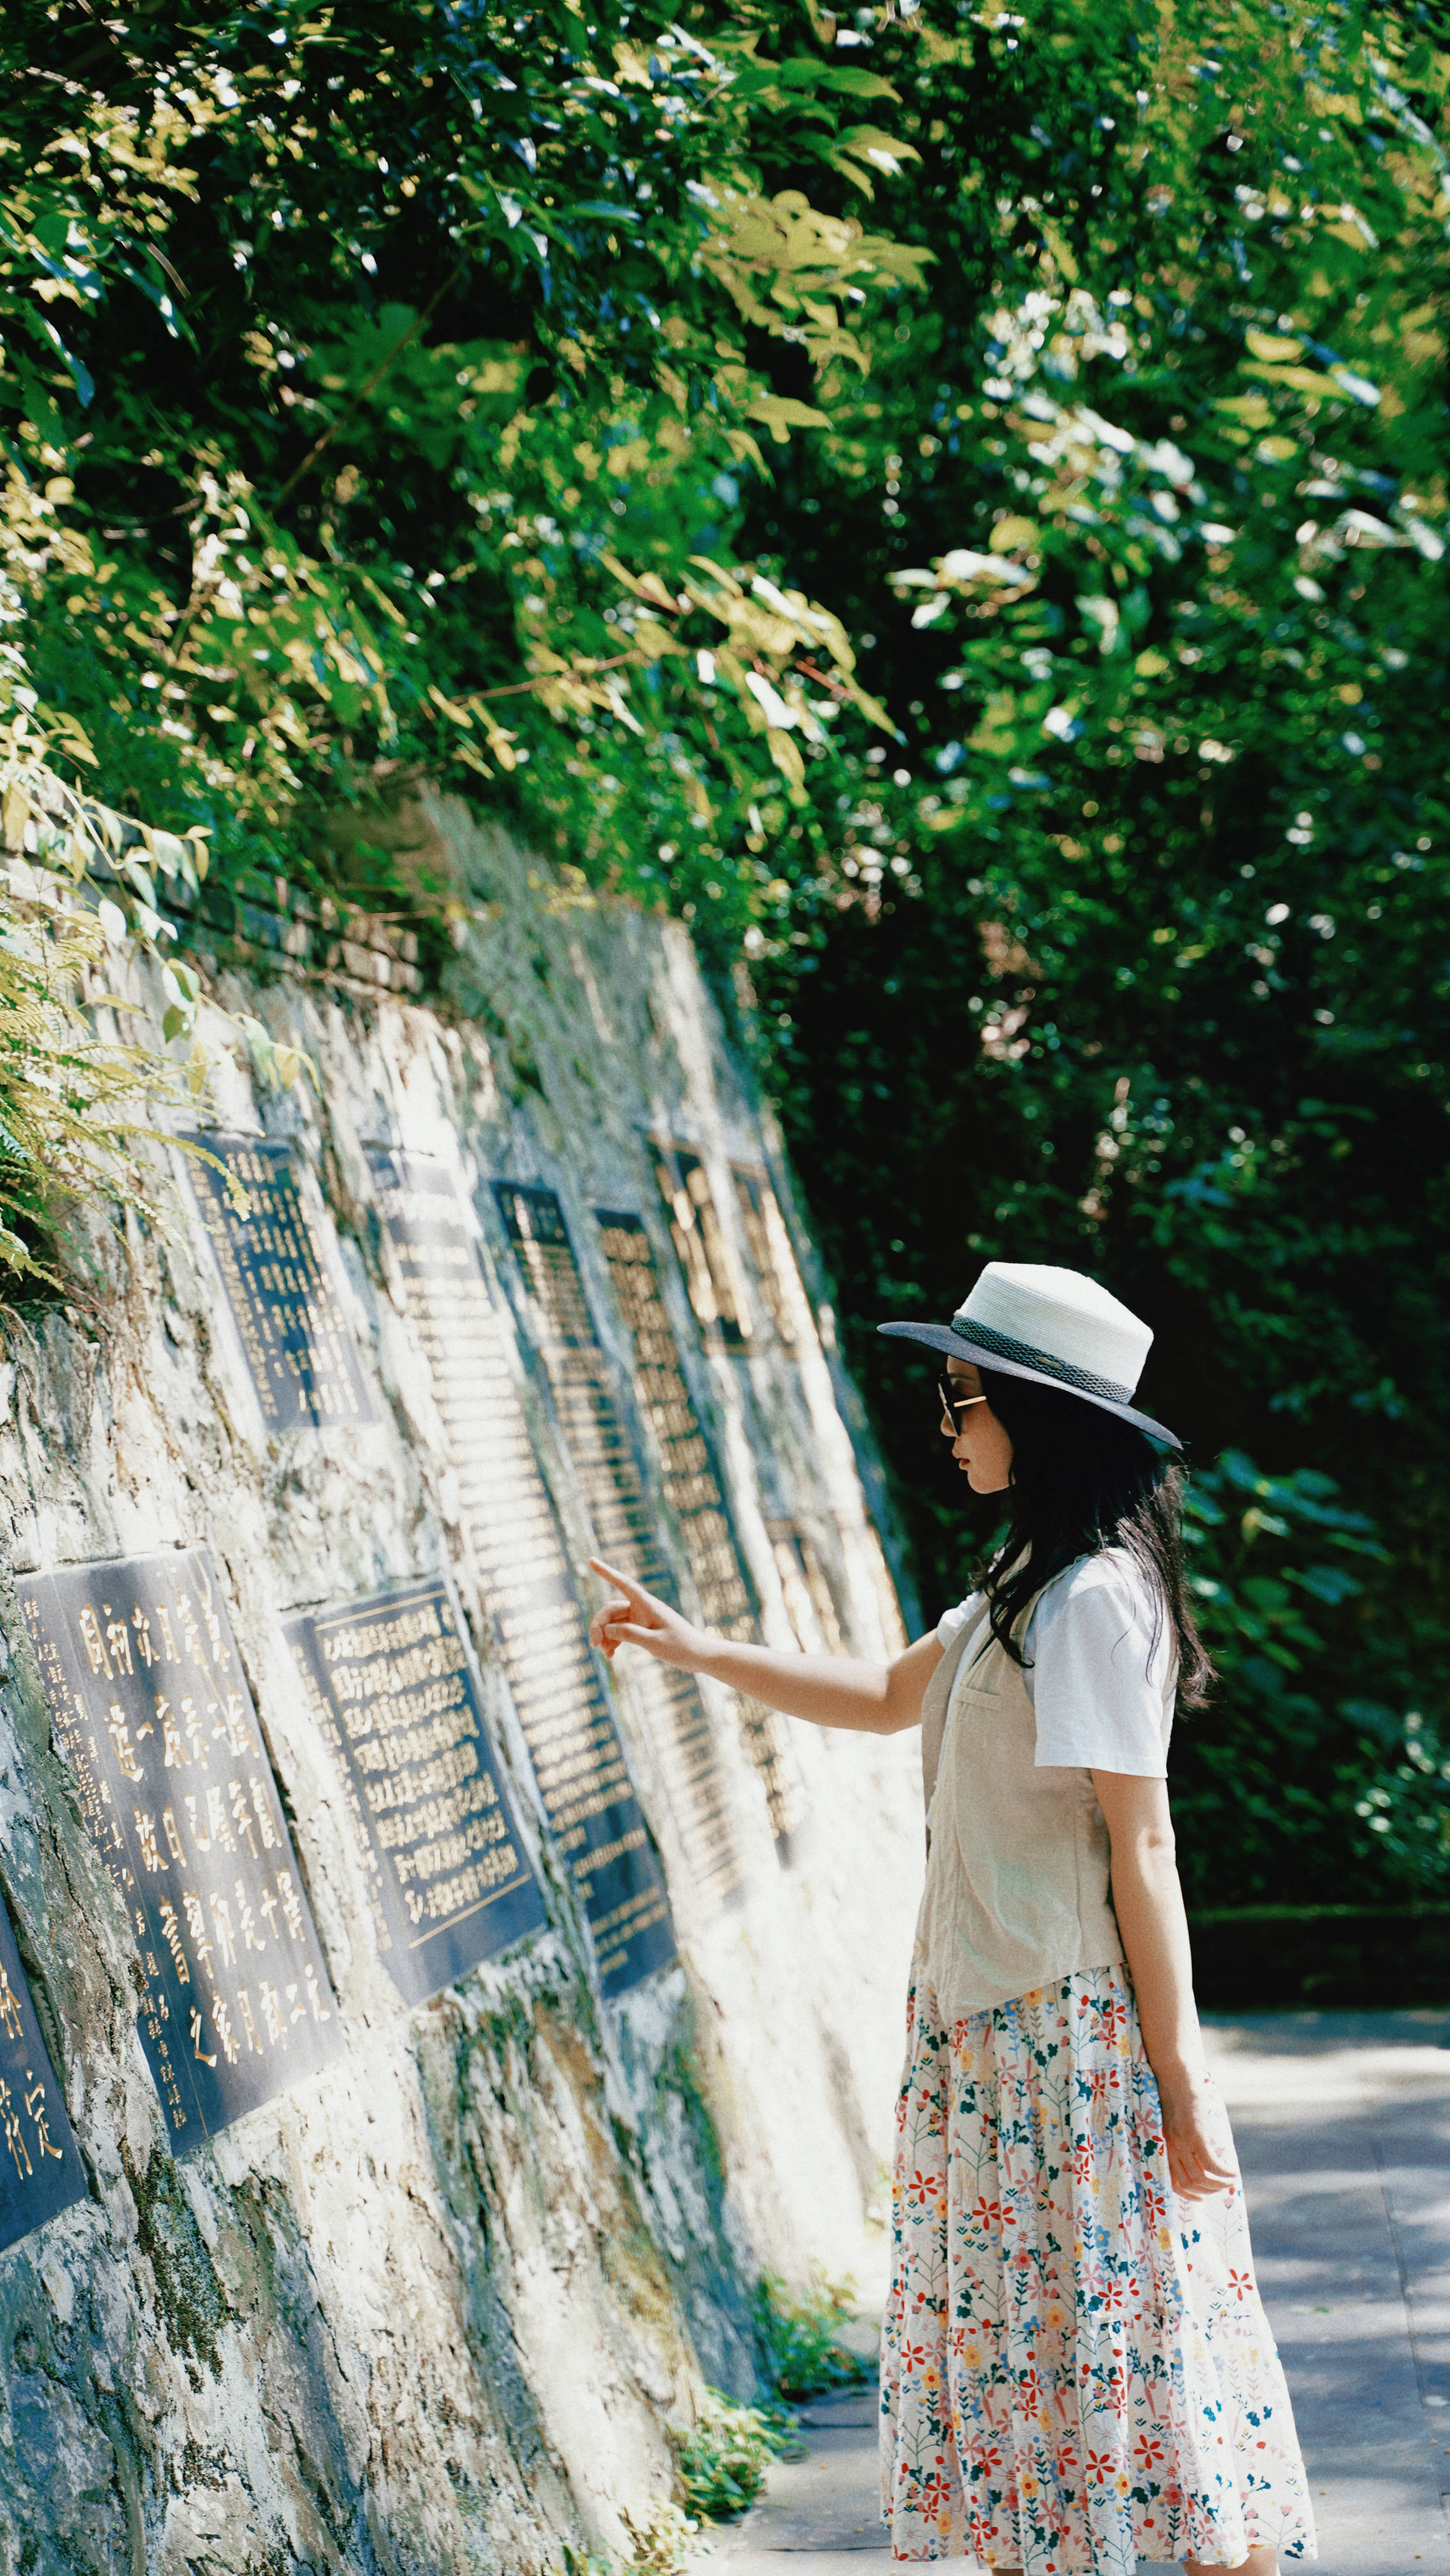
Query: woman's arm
[1148, 1903]
[830, 1690]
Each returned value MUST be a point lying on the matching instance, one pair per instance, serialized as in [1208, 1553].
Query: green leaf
[782, 413]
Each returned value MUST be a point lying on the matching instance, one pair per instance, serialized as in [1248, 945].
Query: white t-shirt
[1101, 1686]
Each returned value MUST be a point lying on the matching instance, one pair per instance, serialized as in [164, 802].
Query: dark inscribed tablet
[297, 1341]
[150, 1703]
[625, 1533]
[40, 2170]
[533, 1602]
[392, 1685]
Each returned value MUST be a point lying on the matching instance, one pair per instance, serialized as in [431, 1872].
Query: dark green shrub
[802, 2353]
[723, 2457]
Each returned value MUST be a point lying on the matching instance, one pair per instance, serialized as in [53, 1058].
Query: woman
[1077, 2373]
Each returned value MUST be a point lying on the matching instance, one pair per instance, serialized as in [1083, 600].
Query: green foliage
[660, 2538]
[1137, 955]
[723, 2456]
[1407, 1804]
[50, 1063]
[405, 365]
[586, 2562]
[801, 2351]
[1266, 1779]
[80, 1103]
[76, 1108]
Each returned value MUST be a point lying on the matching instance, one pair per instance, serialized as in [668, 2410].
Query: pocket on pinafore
[980, 1679]
[982, 1694]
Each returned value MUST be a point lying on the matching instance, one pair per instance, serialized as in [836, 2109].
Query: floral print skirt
[1076, 2372]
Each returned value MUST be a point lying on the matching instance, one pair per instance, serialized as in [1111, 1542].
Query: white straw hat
[1053, 1326]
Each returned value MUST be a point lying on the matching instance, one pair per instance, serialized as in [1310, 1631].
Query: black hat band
[1044, 1362]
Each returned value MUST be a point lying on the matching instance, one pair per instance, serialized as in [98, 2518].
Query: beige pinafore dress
[1077, 2372]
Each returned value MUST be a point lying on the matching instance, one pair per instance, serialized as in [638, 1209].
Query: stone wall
[432, 2308]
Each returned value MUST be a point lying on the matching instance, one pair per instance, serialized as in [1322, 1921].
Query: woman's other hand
[1148, 1902]
[1199, 2162]
[642, 1619]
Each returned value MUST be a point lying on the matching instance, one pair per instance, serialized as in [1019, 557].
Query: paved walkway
[1343, 2129]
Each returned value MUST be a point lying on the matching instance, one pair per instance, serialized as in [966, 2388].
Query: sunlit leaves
[393, 522]
[75, 1107]
[788, 268]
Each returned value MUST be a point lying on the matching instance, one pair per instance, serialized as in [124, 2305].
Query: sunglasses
[952, 1403]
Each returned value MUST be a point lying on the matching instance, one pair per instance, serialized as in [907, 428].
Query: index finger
[632, 1590]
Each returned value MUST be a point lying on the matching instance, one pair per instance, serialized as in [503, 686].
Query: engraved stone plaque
[701, 1243]
[809, 1601]
[537, 1615]
[148, 1699]
[777, 1280]
[392, 1684]
[614, 1496]
[297, 1341]
[693, 1492]
[40, 2170]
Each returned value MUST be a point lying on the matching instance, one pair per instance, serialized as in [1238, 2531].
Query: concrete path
[1343, 2129]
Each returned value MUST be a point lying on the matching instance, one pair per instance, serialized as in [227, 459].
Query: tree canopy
[953, 501]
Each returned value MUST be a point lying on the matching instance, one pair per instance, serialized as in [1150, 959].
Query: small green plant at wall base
[723, 2456]
[586, 2562]
[802, 2353]
[659, 2540]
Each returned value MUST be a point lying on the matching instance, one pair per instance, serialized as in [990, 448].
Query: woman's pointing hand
[642, 1619]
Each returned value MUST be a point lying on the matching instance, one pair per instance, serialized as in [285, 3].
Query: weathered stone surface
[430, 2310]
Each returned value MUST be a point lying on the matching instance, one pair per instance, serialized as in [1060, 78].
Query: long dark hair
[1083, 1481]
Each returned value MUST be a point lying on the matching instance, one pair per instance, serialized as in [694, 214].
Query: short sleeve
[952, 1622]
[1103, 1671]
